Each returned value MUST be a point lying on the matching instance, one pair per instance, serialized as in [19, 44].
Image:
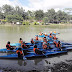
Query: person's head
[8, 42]
[20, 49]
[48, 43]
[50, 34]
[35, 46]
[20, 38]
[59, 42]
[45, 37]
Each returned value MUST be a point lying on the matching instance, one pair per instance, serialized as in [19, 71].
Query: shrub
[36, 23]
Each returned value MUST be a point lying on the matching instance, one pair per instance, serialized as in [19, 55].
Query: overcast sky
[39, 4]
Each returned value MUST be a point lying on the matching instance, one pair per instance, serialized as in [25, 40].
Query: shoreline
[9, 24]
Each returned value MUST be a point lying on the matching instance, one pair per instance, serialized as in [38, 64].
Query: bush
[36, 23]
[25, 23]
[42, 23]
[4, 21]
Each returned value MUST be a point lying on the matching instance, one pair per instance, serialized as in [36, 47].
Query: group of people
[45, 44]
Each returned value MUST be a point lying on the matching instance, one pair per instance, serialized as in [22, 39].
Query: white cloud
[40, 4]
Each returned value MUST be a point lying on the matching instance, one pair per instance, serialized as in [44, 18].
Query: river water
[13, 33]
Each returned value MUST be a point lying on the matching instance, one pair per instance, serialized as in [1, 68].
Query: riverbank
[50, 24]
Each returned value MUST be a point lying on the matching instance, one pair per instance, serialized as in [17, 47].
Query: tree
[45, 20]
[39, 14]
[7, 9]
[62, 16]
[51, 14]
[14, 18]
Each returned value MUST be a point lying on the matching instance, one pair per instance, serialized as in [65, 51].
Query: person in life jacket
[58, 45]
[37, 37]
[20, 41]
[50, 36]
[44, 45]
[40, 33]
[8, 46]
[45, 34]
[44, 39]
[54, 31]
[23, 45]
[32, 41]
[48, 46]
[20, 53]
[36, 50]
[54, 38]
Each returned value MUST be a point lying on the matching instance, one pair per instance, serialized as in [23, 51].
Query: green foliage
[45, 20]
[25, 23]
[36, 23]
[4, 21]
[42, 23]
[18, 14]
[39, 14]
[15, 18]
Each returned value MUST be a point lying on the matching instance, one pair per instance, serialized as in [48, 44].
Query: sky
[39, 4]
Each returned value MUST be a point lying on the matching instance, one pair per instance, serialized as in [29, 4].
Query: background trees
[18, 14]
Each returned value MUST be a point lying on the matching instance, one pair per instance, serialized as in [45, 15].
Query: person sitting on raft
[44, 45]
[55, 41]
[20, 53]
[37, 38]
[32, 41]
[8, 46]
[37, 51]
[45, 34]
[23, 45]
[40, 33]
[44, 39]
[20, 41]
[50, 36]
[58, 45]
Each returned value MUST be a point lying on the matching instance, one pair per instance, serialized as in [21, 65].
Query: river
[14, 32]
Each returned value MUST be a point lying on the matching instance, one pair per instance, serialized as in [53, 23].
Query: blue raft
[32, 55]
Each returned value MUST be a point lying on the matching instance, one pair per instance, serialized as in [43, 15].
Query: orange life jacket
[36, 38]
[32, 41]
[50, 36]
[45, 40]
[23, 45]
[20, 41]
[54, 42]
[44, 46]
[8, 46]
[19, 51]
[34, 49]
[54, 38]
[58, 45]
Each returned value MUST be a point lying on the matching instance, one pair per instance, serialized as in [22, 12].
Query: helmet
[8, 42]
[20, 38]
[20, 49]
